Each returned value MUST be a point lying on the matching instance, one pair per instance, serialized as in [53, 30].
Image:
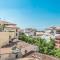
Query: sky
[38, 14]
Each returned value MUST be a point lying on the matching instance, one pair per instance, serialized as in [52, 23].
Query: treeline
[44, 46]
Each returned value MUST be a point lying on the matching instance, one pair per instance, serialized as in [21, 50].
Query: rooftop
[23, 44]
[5, 22]
[26, 47]
[39, 56]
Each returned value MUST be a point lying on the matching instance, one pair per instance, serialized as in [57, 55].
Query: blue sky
[31, 13]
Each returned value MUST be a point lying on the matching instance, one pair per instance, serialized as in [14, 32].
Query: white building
[29, 31]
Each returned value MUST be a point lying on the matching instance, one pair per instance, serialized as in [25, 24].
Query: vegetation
[2, 27]
[44, 47]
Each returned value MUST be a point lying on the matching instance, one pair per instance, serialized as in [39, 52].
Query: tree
[2, 27]
[44, 46]
[57, 53]
[22, 36]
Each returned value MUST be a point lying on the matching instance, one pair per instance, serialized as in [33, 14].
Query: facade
[57, 37]
[51, 30]
[8, 27]
[57, 42]
[8, 30]
[39, 33]
[29, 31]
[4, 38]
[46, 34]
[55, 31]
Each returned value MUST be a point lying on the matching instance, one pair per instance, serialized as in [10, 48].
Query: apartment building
[55, 31]
[57, 42]
[8, 30]
[29, 31]
[39, 33]
[57, 37]
[9, 27]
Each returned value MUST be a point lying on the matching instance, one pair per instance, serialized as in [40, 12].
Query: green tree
[57, 53]
[44, 46]
[2, 27]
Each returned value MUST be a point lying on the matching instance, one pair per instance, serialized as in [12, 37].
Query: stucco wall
[12, 34]
[4, 38]
[39, 33]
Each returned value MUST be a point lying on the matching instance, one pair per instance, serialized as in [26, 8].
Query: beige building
[39, 33]
[4, 38]
[8, 31]
[29, 31]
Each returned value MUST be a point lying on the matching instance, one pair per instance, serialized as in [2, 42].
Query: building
[57, 42]
[8, 27]
[39, 33]
[8, 32]
[4, 38]
[51, 30]
[46, 34]
[57, 37]
[20, 49]
[55, 31]
[26, 48]
[29, 31]
[38, 56]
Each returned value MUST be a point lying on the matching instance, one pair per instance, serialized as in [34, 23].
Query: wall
[39, 33]
[4, 38]
[12, 34]
[12, 31]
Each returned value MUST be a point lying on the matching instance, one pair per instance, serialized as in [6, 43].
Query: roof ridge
[7, 22]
